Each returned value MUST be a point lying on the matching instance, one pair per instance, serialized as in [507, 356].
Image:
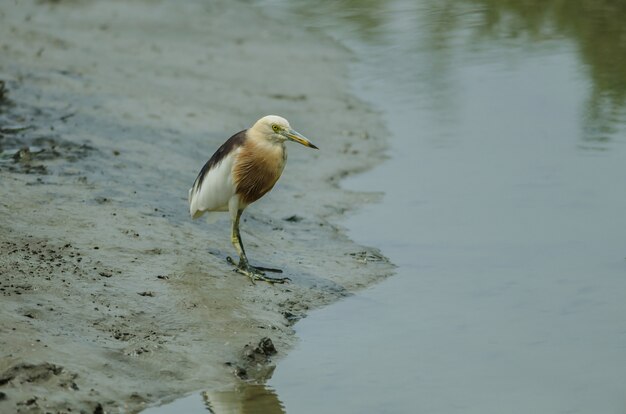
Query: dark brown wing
[227, 147]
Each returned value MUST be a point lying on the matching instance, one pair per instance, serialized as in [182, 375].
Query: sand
[113, 299]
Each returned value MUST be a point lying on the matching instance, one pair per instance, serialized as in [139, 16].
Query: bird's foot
[257, 273]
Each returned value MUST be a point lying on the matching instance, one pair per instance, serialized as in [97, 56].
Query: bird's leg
[235, 238]
[254, 273]
[243, 256]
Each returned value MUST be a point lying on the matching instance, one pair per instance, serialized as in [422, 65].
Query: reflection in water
[244, 399]
[474, 27]
[598, 30]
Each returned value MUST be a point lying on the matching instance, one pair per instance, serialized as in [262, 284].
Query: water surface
[504, 210]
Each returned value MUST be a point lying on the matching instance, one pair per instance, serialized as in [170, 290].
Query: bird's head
[276, 128]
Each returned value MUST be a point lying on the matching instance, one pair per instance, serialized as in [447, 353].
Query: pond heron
[240, 172]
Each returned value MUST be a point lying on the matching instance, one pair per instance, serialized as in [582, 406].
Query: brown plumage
[257, 168]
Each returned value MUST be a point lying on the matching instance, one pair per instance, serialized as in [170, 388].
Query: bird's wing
[214, 185]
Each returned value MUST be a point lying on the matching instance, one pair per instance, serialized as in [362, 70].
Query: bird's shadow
[297, 277]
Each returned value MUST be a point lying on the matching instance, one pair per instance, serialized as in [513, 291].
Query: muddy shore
[112, 299]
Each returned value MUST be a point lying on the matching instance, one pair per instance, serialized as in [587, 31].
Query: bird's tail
[193, 211]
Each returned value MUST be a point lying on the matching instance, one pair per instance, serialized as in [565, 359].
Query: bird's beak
[297, 137]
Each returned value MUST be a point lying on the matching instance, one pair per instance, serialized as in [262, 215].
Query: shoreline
[111, 299]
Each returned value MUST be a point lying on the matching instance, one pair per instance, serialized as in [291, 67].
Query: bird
[239, 173]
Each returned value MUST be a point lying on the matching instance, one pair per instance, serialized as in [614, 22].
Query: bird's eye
[275, 128]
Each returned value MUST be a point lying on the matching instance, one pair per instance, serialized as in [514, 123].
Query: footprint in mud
[26, 373]
[26, 143]
[32, 155]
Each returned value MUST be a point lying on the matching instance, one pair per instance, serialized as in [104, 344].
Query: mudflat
[112, 298]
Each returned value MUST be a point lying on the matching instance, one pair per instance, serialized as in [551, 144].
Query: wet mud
[26, 145]
[112, 299]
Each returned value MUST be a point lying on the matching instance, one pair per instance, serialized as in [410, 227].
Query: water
[504, 210]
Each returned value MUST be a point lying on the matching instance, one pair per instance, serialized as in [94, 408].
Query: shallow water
[503, 208]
